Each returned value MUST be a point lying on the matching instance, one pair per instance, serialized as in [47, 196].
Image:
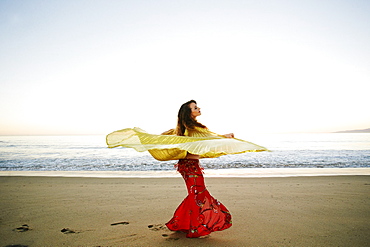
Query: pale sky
[92, 67]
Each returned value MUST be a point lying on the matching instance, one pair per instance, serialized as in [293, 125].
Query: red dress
[199, 214]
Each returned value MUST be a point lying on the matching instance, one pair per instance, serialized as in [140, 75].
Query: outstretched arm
[169, 132]
[231, 135]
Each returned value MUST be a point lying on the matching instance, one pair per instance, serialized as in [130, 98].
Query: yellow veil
[168, 146]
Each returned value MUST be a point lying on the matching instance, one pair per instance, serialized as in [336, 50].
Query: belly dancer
[200, 213]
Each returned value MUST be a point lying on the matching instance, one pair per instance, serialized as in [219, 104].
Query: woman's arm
[231, 135]
[169, 132]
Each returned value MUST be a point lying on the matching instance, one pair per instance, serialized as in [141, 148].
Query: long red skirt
[199, 214]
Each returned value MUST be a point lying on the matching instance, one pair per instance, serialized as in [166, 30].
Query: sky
[93, 67]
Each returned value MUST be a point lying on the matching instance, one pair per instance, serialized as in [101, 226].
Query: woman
[199, 214]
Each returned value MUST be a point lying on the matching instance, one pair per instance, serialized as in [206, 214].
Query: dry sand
[285, 211]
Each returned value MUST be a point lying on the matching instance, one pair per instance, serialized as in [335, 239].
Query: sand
[280, 211]
[231, 172]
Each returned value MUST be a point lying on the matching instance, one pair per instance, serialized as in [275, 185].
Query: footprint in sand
[169, 238]
[157, 227]
[23, 228]
[120, 223]
[68, 231]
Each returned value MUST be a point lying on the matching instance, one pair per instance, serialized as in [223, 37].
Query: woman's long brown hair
[185, 120]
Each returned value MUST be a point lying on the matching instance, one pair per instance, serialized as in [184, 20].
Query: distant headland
[354, 131]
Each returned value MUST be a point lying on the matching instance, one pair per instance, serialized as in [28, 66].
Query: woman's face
[195, 110]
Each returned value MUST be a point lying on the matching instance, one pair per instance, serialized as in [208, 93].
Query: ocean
[89, 153]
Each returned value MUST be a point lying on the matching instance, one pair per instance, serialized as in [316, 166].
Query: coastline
[227, 173]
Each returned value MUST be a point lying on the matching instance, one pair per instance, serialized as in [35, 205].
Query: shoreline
[226, 173]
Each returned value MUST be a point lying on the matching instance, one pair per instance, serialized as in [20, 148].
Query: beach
[132, 211]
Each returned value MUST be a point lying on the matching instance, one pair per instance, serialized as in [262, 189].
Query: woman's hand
[231, 135]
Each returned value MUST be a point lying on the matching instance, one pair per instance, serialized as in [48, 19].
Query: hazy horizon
[260, 133]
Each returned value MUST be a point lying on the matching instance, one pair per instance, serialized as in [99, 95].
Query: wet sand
[275, 211]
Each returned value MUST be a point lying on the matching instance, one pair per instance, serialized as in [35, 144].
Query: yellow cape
[168, 146]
